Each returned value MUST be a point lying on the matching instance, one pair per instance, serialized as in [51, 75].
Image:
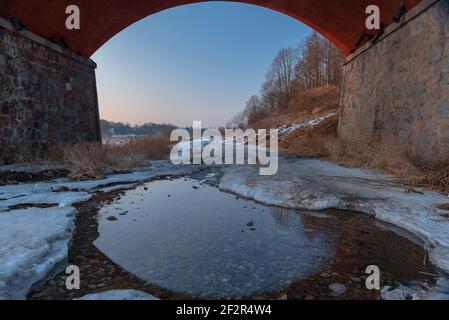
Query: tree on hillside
[278, 87]
[320, 64]
[253, 109]
[316, 62]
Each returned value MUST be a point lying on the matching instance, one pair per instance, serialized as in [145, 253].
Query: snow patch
[63, 199]
[285, 130]
[116, 295]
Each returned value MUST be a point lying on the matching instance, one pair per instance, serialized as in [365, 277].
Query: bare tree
[316, 62]
[279, 80]
[320, 63]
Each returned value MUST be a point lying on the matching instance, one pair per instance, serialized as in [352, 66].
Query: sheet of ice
[32, 243]
[118, 187]
[63, 199]
[117, 295]
[52, 188]
[316, 185]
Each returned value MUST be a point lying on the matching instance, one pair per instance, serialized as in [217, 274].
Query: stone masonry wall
[47, 96]
[398, 90]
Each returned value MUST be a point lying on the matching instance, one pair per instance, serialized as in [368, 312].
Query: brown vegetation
[303, 106]
[303, 83]
[95, 160]
[315, 63]
[322, 142]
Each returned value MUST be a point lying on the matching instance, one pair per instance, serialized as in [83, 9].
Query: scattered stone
[111, 218]
[338, 289]
[250, 224]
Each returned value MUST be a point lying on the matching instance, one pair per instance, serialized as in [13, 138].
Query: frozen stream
[192, 238]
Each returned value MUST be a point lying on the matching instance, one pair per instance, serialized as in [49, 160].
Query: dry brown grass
[150, 148]
[323, 142]
[310, 104]
[88, 160]
[94, 160]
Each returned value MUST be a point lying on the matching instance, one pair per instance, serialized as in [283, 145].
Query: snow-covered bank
[309, 184]
[34, 241]
[64, 192]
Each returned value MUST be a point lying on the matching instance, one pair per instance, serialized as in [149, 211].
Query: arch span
[341, 21]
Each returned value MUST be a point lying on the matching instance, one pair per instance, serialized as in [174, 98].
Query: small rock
[338, 289]
[112, 218]
[250, 224]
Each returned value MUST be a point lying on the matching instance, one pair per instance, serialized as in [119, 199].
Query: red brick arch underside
[341, 21]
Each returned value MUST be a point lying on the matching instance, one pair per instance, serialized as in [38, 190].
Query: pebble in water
[338, 289]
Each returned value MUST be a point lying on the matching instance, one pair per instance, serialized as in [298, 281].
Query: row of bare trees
[316, 62]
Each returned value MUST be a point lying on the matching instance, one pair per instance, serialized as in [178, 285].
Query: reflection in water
[192, 238]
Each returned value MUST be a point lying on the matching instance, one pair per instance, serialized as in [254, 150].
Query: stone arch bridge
[396, 84]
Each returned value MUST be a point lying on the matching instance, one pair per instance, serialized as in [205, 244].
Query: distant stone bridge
[396, 83]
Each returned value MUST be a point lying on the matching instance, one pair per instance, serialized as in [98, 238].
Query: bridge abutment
[397, 90]
[47, 95]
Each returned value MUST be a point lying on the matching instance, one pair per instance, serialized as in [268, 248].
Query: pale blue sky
[194, 62]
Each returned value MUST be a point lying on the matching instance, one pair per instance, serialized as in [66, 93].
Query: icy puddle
[194, 239]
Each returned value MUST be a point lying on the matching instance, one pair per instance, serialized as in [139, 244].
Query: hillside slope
[304, 107]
